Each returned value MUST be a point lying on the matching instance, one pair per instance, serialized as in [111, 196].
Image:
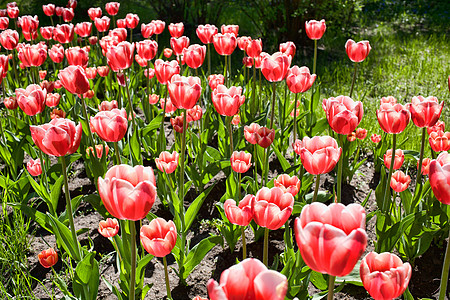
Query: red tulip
[177, 123]
[94, 12]
[299, 80]
[107, 105]
[74, 79]
[214, 80]
[49, 9]
[91, 73]
[11, 102]
[103, 71]
[250, 133]
[250, 279]
[121, 23]
[239, 214]
[194, 55]
[159, 26]
[93, 40]
[425, 112]
[254, 48]
[47, 32]
[52, 100]
[224, 43]
[72, 4]
[59, 11]
[119, 33]
[227, 101]
[439, 175]
[108, 228]
[4, 23]
[398, 160]
[77, 56]
[343, 114]
[83, 29]
[141, 61]
[58, 138]
[319, 155]
[167, 52]
[288, 184]
[241, 161]
[357, 52]
[63, 33]
[361, 133]
[439, 141]
[68, 14]
[147, 30]
[48, 85]
[32, 55]
[153, 98]
[120, 57]
[98, 151]
[102, 24]
[272, 207]
[4, 62]
[31, 100]
[179, 44]
[288, 48]
[439, 126]
[132, 20]
[159, 237]
[13, 12]
[425, 166]
[184, 91]
[400, 181]
[112, 8]
[265, 136]
[331, 238]
[315, 29]
[28, 24]
[48, 258]
[243, 41]
[195, 113]
[34, 167]
[351, 137]
[167, 162]
[247, 61]
[170, 108]
[206, 32]
[233, 29]
[149, 72]
[275, 67]
[128, 193]
[9, 39]
[393, 118]
[384, 275]
[176, 30]
[110, 125]
[3, 12]
[56, 53]
[165, 70]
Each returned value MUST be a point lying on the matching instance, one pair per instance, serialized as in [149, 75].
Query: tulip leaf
[96, 202]
[387, 235]
[140, 268]
[40, 218]
[86, 279]
[154, 124]
[198, 252]
[322, 196]
[195, 206]
[353, 278]
[320, 126]
[56, 192]
[284, 163]
[63, 234]
[319, 280]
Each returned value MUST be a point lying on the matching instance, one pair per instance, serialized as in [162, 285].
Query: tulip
[288, 184]
[4, 64]
[179, 44]
[376, 138]
[399, 158]
[289, 49]
[74, 79]
[167, 162]
[214, 80]
[159, 237]
[32, 99]
[241, 161]
[11, 102]
[147, 30]
[236, 120]
[439, 141]
[63, 33]
[425, 112]
[331, 238]
[243, 41]
[167, 103]
[47, 32]
[439, 126]
[275, 67]
[351, 137]
[94, 12]
[167, 52]
[106, 105]
[52, 100]
[177, 123]
[194, 55]
[439, 175]
[28, 24]
[34, 167]
[319, 155]
[247, 62]
[122, 23]
[184, 91]
[83, 29]
[250, 279]
[159, 26]
[13, 12]
[425, 166]
[206, 32]
[239, 214]
[141, 62]
[58, 138]
[195, 113]
[72, 4]
[315, 29]
[77, 56]
[120, 57]
[224, 43]
[4, 23]
[56, 53]
[272, 207]
[227, 101]
[48, 258]
[111, 125]
[343, 114]
[393, 117]
[98, 151]
[68, 14]
[254, 48]
[59, 11]
[93, 40]
[400, 181]
[357, 52]
[49, 9]
[103, 71]
[233, 29]
[361, 133]
[165, 70]
[108, 228]
[9, 39]
[384, 275]
[132, 20]
[32, 55]
[102, 24]
[112, 8]
[264, 136]
[176, 30]
[150, 73]
[91, 73]
[299, 80]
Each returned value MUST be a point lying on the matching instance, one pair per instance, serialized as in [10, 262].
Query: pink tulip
[264, 137]
[159, 237]
[206, 32]
[159, 26]
[176, 30]
[425, 112]
[63, 33]
[112, 8]
[184, 91]
[241, 161]
[254, 48]
[275, 67]
[32, 99]
[147, 49]
[108, 228]
[74, 79]
[288, 184]
[214, 80]
[120, 57]
[34, 167]
[393, 117]
[167, 162]
[240, 214]
[250, 133]
[32, 55]
[343, 114]
[94, 12]
[194, 55]
[224, 43]
[400, 181]
[439, 175]
[288, 48]
[398, 161]
[357, 52]
[227, 101]
[132, 20]
[376, 138]
[315, 29]
[111, 126]
[299, 80]
[272, 207]
[232, 29]
[77, 56]
[164, 70]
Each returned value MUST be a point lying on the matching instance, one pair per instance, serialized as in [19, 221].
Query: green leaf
[140, 268]
[63, 234]
[284, 163]
[318, 280]
[321, 126]
[56, 192]
[154, 124]
[199, 251]
[322, 196]
[353, 277]
[87, 276]
[195, 206]
[40, 218]
[136, 147]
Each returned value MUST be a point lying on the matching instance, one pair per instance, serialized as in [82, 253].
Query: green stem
[316, 190]
[272, 113]
[444, 276]
[239, 186]
[225, 72]
[331, 280]
[69, 209]
[315, 57]
[391, 169]
[419, 174]
[85, 116]
[255, 159]
[133, 260]
[117, 249]
[16, 75]
[295, 125]
[266, 165]
[131, 103]
[254, 106]
[229, 67]
[209, 59]
[266, 247]
[353, 80]
[166, 275]
[339, 176]
[181, 197]
[116, 150]
[244, 243]
[230, 130]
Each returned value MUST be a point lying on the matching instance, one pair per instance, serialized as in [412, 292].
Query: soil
[424, 282]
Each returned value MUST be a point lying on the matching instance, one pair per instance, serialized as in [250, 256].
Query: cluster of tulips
[117, 136]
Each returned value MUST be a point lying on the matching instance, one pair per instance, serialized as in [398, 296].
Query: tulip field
[139, 161]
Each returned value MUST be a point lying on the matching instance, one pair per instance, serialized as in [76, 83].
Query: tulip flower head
[439, 175]
[315, 29]
[439, 126]
[227, 101]
[272, 207]
[159, 237]
[194, 55]
[108, 228]
[288, 48]
[225, 43]
[357, 52]
[288, 184]
[425, 166]
[48, 258]
[206, 32]
[343, 114]
[392, 116]
[176, 30]
[398, 161]
[120, 57]
[265, 136]
[233, 29]
[184, 91]
[112, 8]
[110, 125]
[159, 26]
[361, 133]
[214, 80]
[74, 79]
[164, 70]
[250, 133]
[32, 99]
[34, 167]
[241, 161]
[167, 162]
[425, 112]
[299, 80]
[275, 67]
[439, 141]
[376, 138]
[240, 214]
[98, 151]
[400, 181]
